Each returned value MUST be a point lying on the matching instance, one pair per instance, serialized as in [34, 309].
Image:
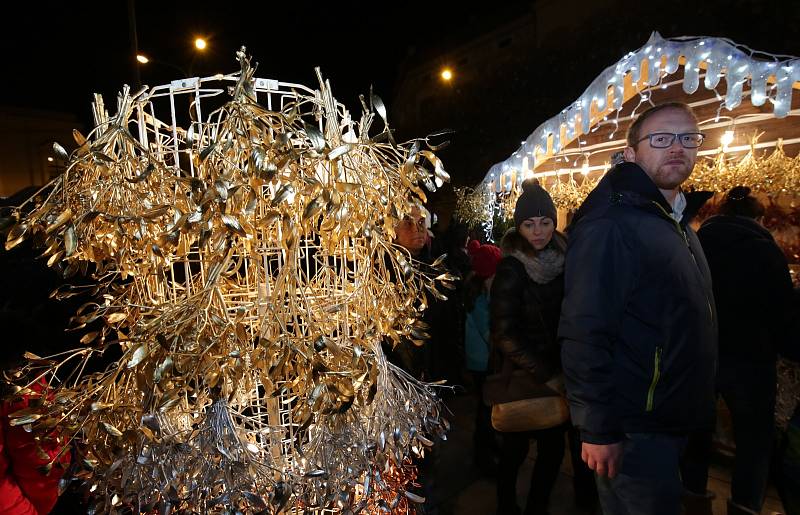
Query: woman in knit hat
[525, 307]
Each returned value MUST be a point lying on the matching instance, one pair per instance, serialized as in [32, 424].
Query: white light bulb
[726, 139]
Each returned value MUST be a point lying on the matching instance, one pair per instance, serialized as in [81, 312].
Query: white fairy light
[741, 68]
[726, 140]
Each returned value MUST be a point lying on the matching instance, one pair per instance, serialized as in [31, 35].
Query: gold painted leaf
[138, 355]
[16, 235]
[80, 139]
[119, 316]
[89, 337]
[70, 241]
[110, 429]
[339, 151]
[60, 152]
[63, 218]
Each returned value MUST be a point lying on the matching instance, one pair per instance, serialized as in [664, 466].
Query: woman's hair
[739, 202]
[513, 240]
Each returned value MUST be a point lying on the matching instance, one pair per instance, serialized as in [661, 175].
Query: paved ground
[461, 489]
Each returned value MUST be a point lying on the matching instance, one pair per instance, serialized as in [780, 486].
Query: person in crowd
[411, 233]
[31, 465]
[477, 346]
[753, 292]
[525, 304]
[638, 325]
[448, 331]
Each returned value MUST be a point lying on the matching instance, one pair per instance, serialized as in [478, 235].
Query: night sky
[58, 53]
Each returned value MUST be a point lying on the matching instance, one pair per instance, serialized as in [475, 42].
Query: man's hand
[603, 459]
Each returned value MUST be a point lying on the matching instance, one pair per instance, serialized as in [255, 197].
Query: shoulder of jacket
[509, 264]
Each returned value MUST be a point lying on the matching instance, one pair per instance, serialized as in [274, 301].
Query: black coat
[524, 318]
[753, 291]
[638, 325]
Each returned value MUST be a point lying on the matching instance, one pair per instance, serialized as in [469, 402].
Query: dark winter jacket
[638, 325]
[753, 291]
[524, 316]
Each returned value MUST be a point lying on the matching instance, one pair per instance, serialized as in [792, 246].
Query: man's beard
[671, 179]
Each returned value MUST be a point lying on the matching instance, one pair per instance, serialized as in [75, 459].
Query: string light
[726, 140]
[715, 51]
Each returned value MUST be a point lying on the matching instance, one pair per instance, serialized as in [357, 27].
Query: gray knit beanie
[534, 201]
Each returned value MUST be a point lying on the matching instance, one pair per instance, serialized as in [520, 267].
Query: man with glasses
[638, 323]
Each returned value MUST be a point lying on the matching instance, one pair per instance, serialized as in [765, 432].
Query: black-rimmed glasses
[666, 139]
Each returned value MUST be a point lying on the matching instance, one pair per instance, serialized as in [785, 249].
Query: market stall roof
[770, 78]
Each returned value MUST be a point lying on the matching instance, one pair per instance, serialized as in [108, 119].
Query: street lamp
[200, 44]
[447, 74]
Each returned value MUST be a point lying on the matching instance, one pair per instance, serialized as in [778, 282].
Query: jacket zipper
[688, 246]
[654, 382]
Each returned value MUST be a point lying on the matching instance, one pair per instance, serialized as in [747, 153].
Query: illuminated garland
[772, 175]
[770, 80]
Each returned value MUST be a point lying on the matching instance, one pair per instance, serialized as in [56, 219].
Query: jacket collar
[632, 185]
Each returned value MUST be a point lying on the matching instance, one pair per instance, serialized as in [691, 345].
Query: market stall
[746, 102]
[747, 106]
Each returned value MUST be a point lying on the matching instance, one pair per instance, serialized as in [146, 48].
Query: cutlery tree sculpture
[244, 268]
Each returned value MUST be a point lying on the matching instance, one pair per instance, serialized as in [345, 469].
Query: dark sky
[56, 54]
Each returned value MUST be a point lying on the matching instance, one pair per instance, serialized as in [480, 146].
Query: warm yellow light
[50, 159]
[447, 74]
[726, 139]
[142, 59]
[200, 43]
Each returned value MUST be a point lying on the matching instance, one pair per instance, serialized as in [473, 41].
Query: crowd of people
[646, 320]
[630, 319]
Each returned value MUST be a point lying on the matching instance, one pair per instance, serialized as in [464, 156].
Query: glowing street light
[447, 75]
[143, 59]
[199, 43]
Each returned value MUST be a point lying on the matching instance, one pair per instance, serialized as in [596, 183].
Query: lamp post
[137, 79]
